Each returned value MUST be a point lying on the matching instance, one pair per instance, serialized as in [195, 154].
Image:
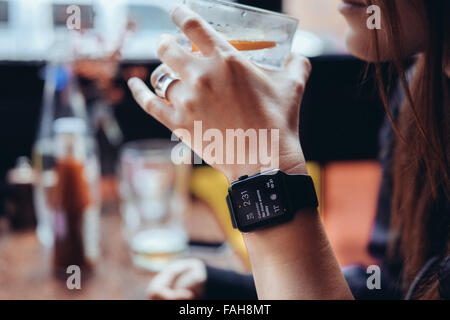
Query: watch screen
[259, 200]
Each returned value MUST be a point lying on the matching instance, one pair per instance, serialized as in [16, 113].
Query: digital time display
[260, 201]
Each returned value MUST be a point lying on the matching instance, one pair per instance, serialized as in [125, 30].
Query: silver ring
[163, 83]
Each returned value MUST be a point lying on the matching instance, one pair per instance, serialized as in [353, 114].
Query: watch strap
[231, 211]
[301, 192]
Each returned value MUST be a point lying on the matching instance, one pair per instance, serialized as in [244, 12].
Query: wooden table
[25, 266]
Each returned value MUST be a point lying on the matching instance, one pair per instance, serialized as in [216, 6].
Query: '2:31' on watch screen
[259, 201]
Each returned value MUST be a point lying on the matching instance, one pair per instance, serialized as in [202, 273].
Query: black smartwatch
[268, 199]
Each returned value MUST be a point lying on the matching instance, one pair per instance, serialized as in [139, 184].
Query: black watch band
[301, 192]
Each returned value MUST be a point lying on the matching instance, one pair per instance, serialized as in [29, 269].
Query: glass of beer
[152, 203]
[263, 36]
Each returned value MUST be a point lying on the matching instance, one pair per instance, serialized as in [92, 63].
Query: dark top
[222, 284]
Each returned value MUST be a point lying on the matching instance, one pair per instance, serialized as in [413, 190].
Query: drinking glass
[263, 36]
[153, 192]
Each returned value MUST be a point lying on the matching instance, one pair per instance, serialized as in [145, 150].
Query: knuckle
[148, 106]
[306, 63]
[189, 104]
[299, 86]
[232, 61]
[163, 48]
[231, 57]
[203, 81]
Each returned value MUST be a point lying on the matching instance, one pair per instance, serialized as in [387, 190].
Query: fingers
[148, 101]
[207, 40]
[174, 91]
[169, 294]
[298, 67]
[163, 286]
[181, 280]
[194, 276]
[172, 54]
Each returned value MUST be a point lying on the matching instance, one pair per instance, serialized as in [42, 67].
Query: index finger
[151, 103]
[198, 31]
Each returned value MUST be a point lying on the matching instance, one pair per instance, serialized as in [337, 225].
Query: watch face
[258, 201]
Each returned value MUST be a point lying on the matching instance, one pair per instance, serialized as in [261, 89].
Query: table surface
[25, 266]
[25, 270]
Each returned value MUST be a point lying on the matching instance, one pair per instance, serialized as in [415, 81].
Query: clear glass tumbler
[263, 36]
[153, 203]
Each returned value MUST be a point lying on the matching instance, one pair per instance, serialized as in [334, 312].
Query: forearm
[294, 261]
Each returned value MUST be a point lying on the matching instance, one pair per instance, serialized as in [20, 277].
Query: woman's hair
[420, 168]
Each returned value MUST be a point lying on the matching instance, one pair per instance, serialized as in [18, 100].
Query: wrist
[292, 162]
[268, 241]
[298, 167]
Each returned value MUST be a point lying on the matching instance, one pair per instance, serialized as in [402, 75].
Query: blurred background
[340, 119]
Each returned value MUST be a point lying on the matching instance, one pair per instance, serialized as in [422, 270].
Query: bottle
[67, 196]
[19, 201]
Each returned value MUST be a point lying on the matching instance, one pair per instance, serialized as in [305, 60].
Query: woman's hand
[225, 90]
[182, 280]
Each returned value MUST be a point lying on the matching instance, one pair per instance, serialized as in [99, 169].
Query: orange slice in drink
[247, 45]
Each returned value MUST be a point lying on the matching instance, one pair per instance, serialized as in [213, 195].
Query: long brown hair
[420, 169]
